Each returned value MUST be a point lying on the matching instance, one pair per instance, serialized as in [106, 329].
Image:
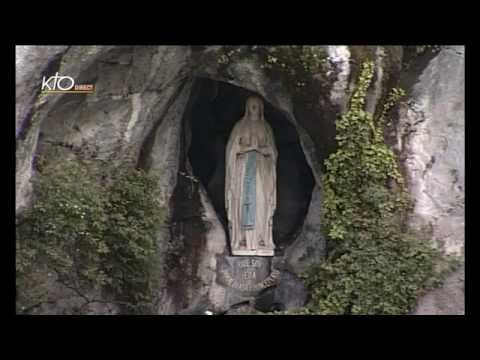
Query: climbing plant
[374, 264]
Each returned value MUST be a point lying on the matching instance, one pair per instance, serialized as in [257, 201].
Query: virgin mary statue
[250, 184]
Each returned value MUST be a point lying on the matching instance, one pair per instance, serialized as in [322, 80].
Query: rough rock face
[449, 299]
[436, 159]
[138, 90]
[30, 65]
[141, 115]
[309, 246]
[339, 56]
[432, 135]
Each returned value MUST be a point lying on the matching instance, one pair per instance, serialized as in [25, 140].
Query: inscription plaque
[247, 274]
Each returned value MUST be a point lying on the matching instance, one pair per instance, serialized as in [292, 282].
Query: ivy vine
[374, 264]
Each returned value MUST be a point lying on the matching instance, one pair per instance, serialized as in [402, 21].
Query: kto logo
[64, 84]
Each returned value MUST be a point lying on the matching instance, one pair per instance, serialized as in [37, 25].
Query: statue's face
[254, 110]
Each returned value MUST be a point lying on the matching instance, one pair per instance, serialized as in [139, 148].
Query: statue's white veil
[259, 102]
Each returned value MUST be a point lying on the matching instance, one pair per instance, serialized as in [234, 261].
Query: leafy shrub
[134, 218]
[92, 234]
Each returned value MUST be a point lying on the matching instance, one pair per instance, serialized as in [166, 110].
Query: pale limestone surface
[432, 134]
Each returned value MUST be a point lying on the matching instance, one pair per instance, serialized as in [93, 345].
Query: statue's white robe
[250, 135]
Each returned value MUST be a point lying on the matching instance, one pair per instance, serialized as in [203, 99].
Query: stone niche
[214, 109]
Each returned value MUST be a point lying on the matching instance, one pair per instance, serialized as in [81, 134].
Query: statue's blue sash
[249, 191]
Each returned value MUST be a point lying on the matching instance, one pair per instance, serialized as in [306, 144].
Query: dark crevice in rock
[289, 293]
[187, 228]
[187, 238]
[198, 48]
[391, 77]
[414, 53]
[319, 124]
[144, 160]
[413, 66]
